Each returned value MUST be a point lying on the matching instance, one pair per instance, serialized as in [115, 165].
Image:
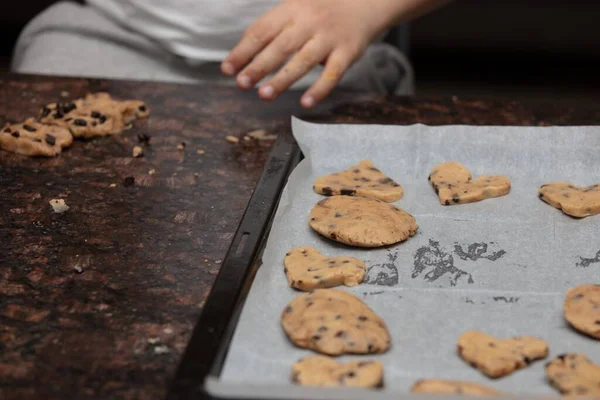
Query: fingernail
[227, 68]
[308, 101]
[244, 81]
[267, 91]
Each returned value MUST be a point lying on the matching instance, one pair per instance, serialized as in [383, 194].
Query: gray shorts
[69, 39]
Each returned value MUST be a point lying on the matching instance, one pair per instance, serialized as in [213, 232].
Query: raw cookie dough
[572, 200]
[499, 357]
[31, 138]
[363, 180]
[307, 269]
[361, 222]
[440, 386]
[95, 115]
[324, 371]
[574, 375]
[582, 309]
[453, 184]
[333, 322]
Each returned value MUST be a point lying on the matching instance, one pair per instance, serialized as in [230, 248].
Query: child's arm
[333, 32]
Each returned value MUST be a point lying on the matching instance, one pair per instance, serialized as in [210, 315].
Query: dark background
[510, 48]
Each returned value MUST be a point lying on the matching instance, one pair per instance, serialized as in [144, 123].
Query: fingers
[337, 63]
[311, 54]
[276, 53]
[255, 38]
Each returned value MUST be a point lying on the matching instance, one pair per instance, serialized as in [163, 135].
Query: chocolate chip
[447, 202]
[333, 236]
[285, 270]
[429, 178]
[541, 195]
[58, 115]
[370, 348]
[16, 134]
[340, 334]
[363, 363]
[7, 130]
[288, 309]
[143, 138]
[94, 123]
[456, 199]
[29, 128]
[373, 169]
[51, 140]
[362, 318]
[316, 337]
[597, 322]
[351, 374]
[68, 119]
[437, 189]
[356, 171]
[345, 262]
[45, 112]
[348, 192]
[80, 122]
[128, 181]
[527, 360]
[363, 179]
[338, 316]
[67, 107]
[37, 140]
[385, 181]
[491, 344]
[561, 357]
[142, 108]
[337, 214]
[327, 191]
[96, 114]
[102, 119]
[322, 328]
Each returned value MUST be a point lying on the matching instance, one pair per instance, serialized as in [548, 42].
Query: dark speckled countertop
[100, 301]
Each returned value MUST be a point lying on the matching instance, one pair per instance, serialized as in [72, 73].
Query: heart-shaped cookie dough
[499, 357]
[307, 269]
[573, 200]
[324, 371]
[362, 180]
[453, 184]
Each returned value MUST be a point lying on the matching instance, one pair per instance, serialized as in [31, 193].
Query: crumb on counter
[152, 171]
[181, 146]
[112, 185]
[200, 151]
[138, 152]
[232, 139]
[59, 206]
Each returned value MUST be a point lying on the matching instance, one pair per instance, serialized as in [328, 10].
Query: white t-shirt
[197, 30]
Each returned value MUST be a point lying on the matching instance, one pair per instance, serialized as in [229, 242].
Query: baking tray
[201, 366]
[207, 348]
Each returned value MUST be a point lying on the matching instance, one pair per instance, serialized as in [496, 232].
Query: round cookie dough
[362, 180]
[582, 309]
[324, 371]
[333, 322]
[307, 269]
[361, 222]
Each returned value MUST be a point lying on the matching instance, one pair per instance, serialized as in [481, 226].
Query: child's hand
[333, 32]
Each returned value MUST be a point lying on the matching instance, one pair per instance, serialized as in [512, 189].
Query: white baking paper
[501, 265]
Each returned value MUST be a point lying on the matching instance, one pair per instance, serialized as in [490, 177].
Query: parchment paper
[501, 265]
